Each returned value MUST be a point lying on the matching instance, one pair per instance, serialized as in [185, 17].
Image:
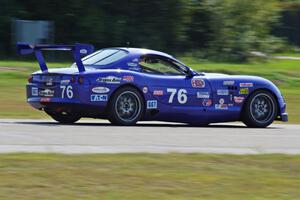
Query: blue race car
[126, 85]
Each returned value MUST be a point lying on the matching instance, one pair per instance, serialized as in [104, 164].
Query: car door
[170, 85]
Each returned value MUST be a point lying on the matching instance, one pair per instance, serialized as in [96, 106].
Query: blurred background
[250, 37]
[214, 29]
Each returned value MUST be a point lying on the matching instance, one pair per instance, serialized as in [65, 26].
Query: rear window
[104, 57]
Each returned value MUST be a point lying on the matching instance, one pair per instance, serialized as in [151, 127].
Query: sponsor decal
[222, 92]
[34, 91]
[198, 83]
[83, 51]
[145, 90]
[131, 64]
[45, 100]
[49, 82]
[46, 93]
[222, 101]
[100, 90]
[221, 105]
[244, 91]
[128, 78]
[202, 95]
[135, 60]
[152, 104]
[228, 83]
[135, 68]
[207, 102]
[239, 99]
[64, 82]
[99, 97]
[109, 80]
[246, 85]
[158, 92]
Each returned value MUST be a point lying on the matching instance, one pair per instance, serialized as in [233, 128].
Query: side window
[104, 57]
[158, 65]
[113, 58]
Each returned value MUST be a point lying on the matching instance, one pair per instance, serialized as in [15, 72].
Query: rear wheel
[260, 109]
[126, 106]
[64, 117]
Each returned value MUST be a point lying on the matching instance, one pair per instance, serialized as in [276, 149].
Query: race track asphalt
[96, 136]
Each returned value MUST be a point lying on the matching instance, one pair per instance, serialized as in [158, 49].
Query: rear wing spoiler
[78, 50]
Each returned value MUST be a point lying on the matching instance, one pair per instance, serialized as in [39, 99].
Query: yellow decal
[244, 91]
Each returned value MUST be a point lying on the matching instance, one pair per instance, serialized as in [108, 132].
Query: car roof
[141, 51]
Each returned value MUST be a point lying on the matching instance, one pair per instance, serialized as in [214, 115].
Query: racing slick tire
[64, 117]
[260, 109]
[126, 107]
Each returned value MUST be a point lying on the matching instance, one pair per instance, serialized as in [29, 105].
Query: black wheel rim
[128, 106]
[262, 108]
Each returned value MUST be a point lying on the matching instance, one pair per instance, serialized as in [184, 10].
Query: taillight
[30, 79]
[80, 80]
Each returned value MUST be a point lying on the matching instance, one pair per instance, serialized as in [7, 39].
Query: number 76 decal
[181, 95]
[67, 91]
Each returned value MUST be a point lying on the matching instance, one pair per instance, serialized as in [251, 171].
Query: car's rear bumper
[80, 100]
[85, 110]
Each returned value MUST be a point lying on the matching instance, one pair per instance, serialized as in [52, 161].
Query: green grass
[284, 73]
[149, 176]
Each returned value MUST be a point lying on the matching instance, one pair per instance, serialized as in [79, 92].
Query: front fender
[264, 84]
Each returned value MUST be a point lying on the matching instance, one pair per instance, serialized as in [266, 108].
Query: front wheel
[64, 117]
[126, 107]
[260, 110]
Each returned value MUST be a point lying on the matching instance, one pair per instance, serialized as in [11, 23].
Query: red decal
[158, 92]
[128, 78]
[239, 99]
[45, 100]
[207, 102]
[198, 83]
[246, 84]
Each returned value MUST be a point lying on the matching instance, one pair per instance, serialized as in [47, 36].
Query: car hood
[215, 75]
[258, 81]
[234, 77]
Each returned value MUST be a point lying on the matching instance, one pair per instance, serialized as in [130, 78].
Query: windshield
[104, 57]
